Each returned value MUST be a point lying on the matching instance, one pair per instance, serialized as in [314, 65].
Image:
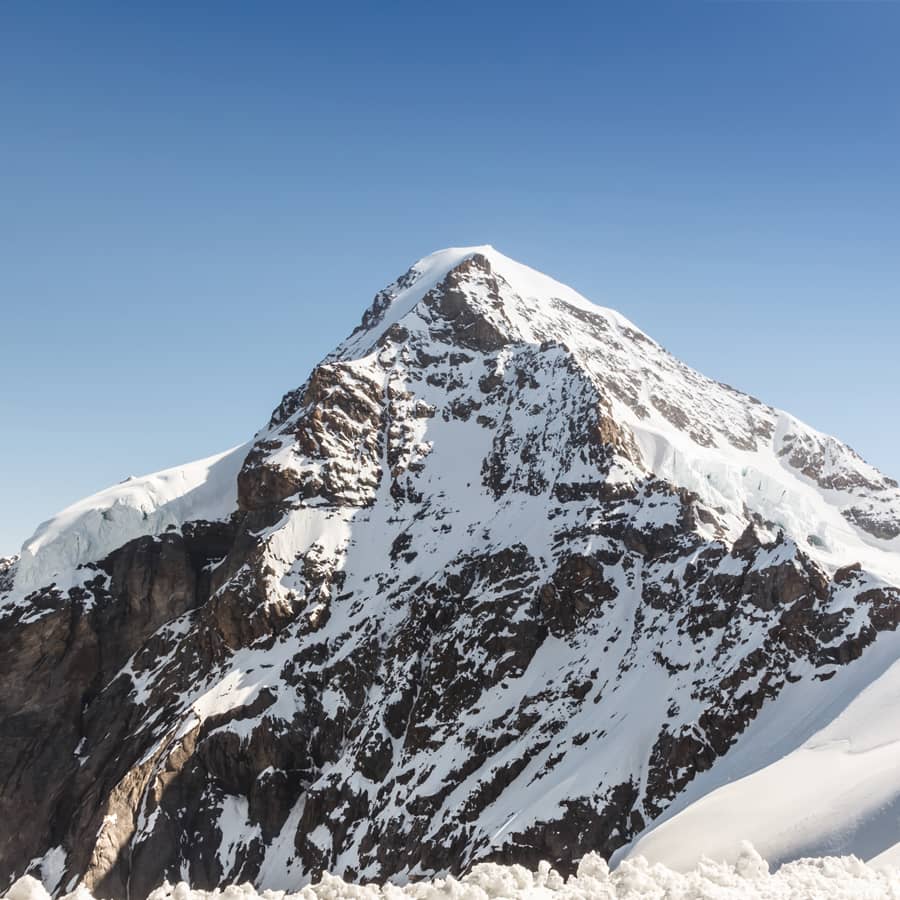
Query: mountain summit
[502, 580]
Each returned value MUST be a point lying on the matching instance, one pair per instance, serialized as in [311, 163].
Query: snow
[92, 528]
[237, 831]
[27, 888]
[748, 878]
[839, 790]
[51, 867]
[428, 273]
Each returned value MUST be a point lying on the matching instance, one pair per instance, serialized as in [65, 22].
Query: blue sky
[198, 201]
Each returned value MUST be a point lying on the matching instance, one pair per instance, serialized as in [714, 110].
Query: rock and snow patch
[91, 528]
[837, 792]
[834, 878]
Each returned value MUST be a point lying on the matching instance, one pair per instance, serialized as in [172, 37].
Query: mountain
[501, 581]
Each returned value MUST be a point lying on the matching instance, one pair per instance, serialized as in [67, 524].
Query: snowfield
[834, 878]
[145, 505]
[836, 793]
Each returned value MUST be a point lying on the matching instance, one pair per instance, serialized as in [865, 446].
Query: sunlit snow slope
[837, 792]
[734, 451]
[91, 528]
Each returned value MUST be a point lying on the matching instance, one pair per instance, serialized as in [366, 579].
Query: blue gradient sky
[197, 202]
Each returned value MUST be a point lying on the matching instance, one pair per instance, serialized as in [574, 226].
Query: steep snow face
[503, 581]
[148, 505]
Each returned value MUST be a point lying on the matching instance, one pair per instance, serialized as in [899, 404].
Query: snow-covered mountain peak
[509, 287]
[738, 455]
[501, 580]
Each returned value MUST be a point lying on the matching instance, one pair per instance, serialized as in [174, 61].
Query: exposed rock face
[502, 578]
[7, 573]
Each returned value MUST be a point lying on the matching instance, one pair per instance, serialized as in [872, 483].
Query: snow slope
[147, 505]
[733, 451]
[837, 792]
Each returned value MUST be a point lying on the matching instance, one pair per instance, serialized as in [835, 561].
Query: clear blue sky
[198, 201]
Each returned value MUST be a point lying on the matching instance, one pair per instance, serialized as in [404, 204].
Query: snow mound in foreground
[748, 879]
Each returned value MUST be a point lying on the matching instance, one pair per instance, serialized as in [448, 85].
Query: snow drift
[829, 878]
